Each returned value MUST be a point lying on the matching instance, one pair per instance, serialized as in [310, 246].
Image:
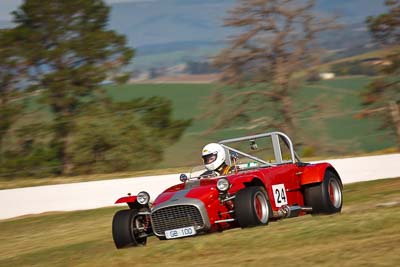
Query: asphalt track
[91, 195]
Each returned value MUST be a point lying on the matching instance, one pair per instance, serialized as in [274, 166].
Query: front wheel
[252, 206]
[128, 229]
[326, 197]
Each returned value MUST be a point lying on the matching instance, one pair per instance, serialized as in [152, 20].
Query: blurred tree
[276, 43]
[385, 27]
[29, 152]
[382, 96]
[69, 50]
[109, 143]
[155, 113]
[11, 69]
[124, 136]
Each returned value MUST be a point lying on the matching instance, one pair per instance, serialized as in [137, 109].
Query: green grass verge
[364, 234]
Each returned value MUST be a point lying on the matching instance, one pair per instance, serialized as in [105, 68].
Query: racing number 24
[279, 194]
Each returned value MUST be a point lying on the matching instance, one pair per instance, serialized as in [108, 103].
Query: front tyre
[252, 207]
[326, 197]
[127, 229]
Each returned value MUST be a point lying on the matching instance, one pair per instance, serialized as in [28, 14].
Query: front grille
[175, 217]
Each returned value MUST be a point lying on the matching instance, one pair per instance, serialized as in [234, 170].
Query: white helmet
[213, 156]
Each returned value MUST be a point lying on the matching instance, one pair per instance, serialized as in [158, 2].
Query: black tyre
[252, 207]
[325, 197]
[126, 229]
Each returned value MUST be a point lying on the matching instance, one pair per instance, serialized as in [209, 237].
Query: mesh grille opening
[175, 217]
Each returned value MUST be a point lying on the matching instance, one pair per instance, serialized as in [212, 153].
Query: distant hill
[178, 30]
[168, 21]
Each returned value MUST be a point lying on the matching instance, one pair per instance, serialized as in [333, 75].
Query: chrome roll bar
[275, 137]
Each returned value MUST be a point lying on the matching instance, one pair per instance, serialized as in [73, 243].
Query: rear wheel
[252, 206]
[128, 229]
[326, 197]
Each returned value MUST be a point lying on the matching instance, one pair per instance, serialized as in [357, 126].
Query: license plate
[180, 232]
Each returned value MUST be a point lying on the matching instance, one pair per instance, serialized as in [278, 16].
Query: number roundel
[279, 195]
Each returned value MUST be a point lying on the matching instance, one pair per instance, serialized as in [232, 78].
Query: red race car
[253, 180]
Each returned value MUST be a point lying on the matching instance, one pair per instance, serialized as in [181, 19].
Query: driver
[214, 156]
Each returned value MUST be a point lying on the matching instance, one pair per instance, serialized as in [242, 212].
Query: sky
[7, 6]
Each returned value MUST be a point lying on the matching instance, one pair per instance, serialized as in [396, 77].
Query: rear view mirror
[253, 145]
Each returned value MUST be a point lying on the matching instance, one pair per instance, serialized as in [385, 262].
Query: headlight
[223, 184]
[143, 198]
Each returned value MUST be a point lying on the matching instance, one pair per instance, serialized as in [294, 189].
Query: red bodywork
[255, 192]
[128, 199]
[292, 176]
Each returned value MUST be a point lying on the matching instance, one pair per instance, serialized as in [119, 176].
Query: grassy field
[366, 233]
[334, 126]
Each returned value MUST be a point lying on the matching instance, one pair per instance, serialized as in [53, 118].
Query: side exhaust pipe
[290, 211]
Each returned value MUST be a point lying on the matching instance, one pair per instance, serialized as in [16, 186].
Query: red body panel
[168, 193]
[291, 176]
[127, 199]
[313, 173]
[209, 195]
